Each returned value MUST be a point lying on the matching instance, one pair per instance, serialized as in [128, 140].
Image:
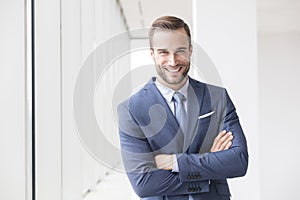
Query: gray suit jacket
[147, 127]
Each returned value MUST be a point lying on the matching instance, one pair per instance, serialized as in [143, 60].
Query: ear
[191, 49]
[152, 53]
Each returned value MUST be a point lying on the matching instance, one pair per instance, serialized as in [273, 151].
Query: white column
[12, 100]
[72, 166]
[279, 108]
[226, 30]
[48, 100]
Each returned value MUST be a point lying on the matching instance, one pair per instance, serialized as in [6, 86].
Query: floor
[112, 187]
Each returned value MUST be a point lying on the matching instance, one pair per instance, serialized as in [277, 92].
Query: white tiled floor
[114, 186]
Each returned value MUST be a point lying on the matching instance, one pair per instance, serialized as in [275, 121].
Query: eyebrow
[180, 48]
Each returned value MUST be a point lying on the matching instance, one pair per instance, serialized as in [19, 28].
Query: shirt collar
[168, 92]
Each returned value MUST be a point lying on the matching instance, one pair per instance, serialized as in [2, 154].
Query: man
[180, 138]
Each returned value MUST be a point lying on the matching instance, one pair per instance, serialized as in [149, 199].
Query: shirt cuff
[175, 164]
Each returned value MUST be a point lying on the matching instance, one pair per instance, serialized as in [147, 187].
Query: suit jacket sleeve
[223, 164]
[138, 159]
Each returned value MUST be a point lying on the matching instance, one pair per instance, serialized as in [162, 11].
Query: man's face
[171, 54]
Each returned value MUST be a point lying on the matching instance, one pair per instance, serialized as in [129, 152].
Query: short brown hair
[169, 23]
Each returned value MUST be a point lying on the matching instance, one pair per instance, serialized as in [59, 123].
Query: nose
[172, 60]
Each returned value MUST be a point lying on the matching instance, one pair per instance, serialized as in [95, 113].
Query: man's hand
[164, 161]
[222, 142]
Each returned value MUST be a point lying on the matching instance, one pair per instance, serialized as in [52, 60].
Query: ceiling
[272, 15]
[141, 13]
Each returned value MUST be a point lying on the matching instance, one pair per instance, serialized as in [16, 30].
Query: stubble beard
[162, 74]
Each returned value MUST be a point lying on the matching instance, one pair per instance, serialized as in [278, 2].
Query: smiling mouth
[172, 70]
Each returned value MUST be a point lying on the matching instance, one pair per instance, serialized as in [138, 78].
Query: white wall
[12, 100]
[226, 30]
[279, 97]
[85, 26]
[66, 32]
[279, 108]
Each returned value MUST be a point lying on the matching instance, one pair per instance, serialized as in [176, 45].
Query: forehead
[170, 39]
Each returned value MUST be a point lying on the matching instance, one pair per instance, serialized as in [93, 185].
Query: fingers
[228, 145]
[221, 134]
[227, 138]
[159, 161]
[164, 161]
[222, 142]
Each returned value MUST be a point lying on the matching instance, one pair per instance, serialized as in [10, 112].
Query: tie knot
[178, 97]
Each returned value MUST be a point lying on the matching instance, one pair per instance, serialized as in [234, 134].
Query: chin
[174, 80]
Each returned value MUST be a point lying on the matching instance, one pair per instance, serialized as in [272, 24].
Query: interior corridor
[64, 65]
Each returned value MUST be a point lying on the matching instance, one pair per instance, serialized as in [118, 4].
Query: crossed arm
[222, 142]
[150, 178]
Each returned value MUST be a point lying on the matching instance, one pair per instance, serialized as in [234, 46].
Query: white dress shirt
[168, 93]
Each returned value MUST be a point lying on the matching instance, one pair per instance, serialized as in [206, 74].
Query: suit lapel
[193, 109]
[201, 130]
[194, 136]
[171, 128]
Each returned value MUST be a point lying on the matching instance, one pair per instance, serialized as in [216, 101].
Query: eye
[163, 52]
[180, 51]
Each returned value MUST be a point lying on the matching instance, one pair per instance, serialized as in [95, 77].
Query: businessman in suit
[180, 138]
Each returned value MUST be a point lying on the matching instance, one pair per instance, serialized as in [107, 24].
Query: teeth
[174, 70]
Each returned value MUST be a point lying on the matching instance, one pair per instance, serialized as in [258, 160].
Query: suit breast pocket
[205, 120]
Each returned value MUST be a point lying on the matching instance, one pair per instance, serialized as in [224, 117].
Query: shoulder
[138, 100]
[137, 107]
[213, 95]
[207, 88]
